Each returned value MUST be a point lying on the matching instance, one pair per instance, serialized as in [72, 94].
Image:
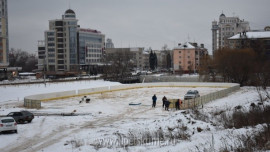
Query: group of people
[166, 103]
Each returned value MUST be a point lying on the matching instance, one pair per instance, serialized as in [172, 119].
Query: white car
[8, 124]
[191, 94]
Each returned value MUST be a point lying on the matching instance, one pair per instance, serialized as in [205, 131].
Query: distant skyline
[129, 23]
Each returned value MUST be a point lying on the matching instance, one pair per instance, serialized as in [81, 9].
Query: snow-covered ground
[108, 123]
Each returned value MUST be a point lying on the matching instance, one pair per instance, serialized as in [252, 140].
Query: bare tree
[118, 65]
[19, 58]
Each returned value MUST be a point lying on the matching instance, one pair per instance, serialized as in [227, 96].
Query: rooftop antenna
[69, 4]
[188, 37]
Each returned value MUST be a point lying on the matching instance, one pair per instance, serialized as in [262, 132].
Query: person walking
[177, 104]
[167, 104]
[154, 98]
[180, 103]
[163, 101]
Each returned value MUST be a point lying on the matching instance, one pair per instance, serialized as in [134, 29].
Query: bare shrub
[257, 141]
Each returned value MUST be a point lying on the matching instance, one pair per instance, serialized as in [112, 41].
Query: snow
[261, 34]
[109, 116]
[18, 92]
[186, 45]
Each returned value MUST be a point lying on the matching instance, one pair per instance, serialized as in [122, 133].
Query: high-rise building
[61, 44]
[69, 48]
[226, 27]
[4, 44]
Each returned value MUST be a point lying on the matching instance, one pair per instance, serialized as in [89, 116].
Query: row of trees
[152, 60]
[19, 58]
[245, 66]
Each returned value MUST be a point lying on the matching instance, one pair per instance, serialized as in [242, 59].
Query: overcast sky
[133, 23]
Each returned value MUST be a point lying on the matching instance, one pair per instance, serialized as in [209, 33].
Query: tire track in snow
[37, 143]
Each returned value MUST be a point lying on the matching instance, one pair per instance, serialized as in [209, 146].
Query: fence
[35, 101]
[192, 103]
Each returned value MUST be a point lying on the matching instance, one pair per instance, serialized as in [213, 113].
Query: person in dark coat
[167, 104]
[177, 104]
[163, 101]
[154, 98]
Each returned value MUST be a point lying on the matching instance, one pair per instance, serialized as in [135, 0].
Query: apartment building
[258, 40]
[186, 57]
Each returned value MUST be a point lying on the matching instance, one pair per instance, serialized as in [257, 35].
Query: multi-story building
[61, 44]
[225, 28]
[109, 43]
[91, 44]
[186, 57]
[4, 42]
[258, 40]
[41, 55]
[137, 56]
[70, 49]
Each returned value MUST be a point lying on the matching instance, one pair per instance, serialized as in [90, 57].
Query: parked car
[22, 116]
[8, 124]
[191, 94]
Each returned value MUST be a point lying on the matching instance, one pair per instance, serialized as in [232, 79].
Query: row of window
[229, 21]
[227, 29]
[93, 60]
[93, 55]
[94, 50]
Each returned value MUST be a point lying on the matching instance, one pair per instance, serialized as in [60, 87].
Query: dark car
[22, 116]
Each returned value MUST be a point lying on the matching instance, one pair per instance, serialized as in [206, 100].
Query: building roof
[186, 45]
[259, 34]
[89, 30]
[69, 11]
[222, 15]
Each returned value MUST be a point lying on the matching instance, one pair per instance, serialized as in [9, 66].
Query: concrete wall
[34, 101]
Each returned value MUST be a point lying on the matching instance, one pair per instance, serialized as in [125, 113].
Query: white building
[225, 28]
[61, 44]
[69, 49]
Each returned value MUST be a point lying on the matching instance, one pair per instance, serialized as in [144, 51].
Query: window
[180, 52]
[60, 61]
[59, 34]
[50, 44]
[50, 33]
[60, 51]
[60, 67]
[50, 50]
[60, 45]
[51, 55]
[60, 56]
[50, 39]
[51, 60]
